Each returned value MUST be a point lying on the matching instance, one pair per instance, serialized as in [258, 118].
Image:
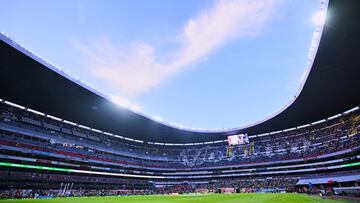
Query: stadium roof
[332, 86]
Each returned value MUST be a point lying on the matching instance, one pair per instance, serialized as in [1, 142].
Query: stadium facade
[59, 137]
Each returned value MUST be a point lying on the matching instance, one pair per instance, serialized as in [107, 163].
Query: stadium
[63, 141]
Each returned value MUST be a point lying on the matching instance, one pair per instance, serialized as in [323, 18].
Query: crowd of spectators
[51, 193]
[331, 136]
[85, 146]
[248, 185]
[52, 185]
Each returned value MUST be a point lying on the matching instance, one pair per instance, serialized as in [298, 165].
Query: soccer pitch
[213, 198]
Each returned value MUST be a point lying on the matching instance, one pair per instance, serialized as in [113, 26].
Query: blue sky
[201, 64]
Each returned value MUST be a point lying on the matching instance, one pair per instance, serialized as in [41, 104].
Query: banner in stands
[202, 190]
[228, 190]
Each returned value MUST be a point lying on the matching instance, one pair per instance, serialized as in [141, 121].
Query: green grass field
[213, 198]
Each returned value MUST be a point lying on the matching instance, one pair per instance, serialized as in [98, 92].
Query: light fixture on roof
[319, 18]
[157, 118]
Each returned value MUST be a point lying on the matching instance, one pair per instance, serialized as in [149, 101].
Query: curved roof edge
[312, 52]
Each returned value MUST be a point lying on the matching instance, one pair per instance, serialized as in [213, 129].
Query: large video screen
[238, 139]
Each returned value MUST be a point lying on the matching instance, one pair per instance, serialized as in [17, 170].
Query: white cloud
[135, 70]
